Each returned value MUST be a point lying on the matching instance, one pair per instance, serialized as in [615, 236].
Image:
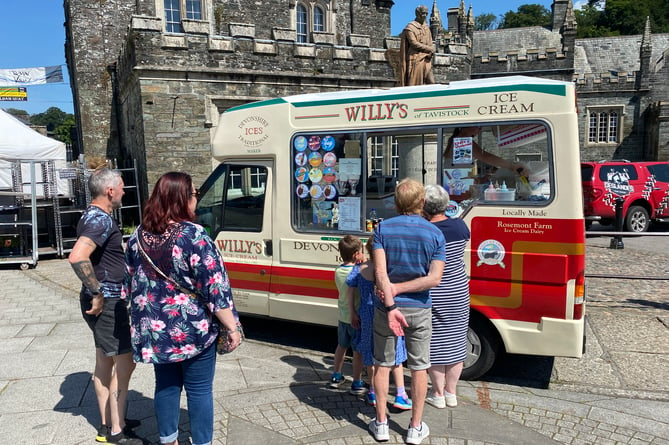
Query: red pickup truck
[643, 187]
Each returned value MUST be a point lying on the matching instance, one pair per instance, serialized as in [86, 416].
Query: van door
[236, 207]
[659, 189]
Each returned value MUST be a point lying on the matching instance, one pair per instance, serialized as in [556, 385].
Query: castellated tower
[151, 77]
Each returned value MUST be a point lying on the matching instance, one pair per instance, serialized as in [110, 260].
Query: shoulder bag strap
[160, 272]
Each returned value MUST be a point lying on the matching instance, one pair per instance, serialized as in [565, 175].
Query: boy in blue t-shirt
[350, 250]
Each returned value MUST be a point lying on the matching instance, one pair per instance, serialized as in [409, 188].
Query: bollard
[617, 241]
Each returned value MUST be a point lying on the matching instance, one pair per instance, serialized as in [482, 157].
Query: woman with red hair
[177, 282]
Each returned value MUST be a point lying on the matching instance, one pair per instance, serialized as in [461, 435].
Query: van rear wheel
[637, 219]
[482, 348]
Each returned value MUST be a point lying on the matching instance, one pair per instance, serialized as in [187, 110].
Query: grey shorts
[417, 337]
[346, 335]
[111, 329]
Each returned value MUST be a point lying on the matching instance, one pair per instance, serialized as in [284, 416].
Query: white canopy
[20, 142]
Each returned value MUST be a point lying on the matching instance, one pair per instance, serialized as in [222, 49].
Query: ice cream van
[297, 173]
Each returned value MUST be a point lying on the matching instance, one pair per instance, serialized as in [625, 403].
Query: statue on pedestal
[416, 51]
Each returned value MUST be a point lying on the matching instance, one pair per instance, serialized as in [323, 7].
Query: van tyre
[637, 219]
[482, 348]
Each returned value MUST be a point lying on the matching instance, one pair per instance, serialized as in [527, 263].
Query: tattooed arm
[81, 263]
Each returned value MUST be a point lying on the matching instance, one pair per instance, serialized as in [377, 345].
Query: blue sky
[33, 35]
[403, 11]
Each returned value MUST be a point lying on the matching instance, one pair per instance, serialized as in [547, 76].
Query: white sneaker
[380, 431]
[451, 400]
[437, 401]
[416, 435]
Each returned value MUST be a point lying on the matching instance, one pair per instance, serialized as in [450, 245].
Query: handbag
[223, 343]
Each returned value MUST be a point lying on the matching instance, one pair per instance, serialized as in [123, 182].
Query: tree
[16, 112]
[485, 22]
[56, 121]
[63, 132]
[621, 17]
[51, 118]
[527, 15]
[590, 22]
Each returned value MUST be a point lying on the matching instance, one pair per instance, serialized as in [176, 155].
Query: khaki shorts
[417, 337]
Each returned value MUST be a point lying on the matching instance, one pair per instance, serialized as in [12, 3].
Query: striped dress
[450, 299]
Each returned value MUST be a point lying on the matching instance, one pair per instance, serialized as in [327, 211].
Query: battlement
[606, 81]
[522, 55]
[240, 50]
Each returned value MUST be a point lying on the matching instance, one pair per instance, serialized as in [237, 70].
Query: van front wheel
[482, 348]
[637, 219]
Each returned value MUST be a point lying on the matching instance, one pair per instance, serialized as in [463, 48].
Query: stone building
[151, 77]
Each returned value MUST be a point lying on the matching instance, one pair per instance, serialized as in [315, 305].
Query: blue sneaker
[336, 380]
[358, 388]
[402, 403]
[371, 399]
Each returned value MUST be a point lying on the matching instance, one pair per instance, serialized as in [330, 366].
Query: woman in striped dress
[450, 303]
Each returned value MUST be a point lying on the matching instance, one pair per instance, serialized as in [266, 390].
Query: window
[604, 126]
[233, 199]
[319, 19]
[194, 9]
[177, 10]
[172, 16]
[618, 173]
[480, 164]
[301, 24]
[338, 178]
[660, 171]
[310, 16]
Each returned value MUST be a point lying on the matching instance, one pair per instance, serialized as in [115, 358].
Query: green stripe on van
[556, 90]
[261, 103]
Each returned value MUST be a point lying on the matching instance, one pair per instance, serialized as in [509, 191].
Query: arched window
[310, 15]
[301, 24]
[319, 19]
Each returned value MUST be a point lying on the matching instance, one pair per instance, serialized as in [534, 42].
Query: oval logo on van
[253, 131]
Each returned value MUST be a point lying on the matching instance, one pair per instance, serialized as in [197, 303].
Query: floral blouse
[167, 324]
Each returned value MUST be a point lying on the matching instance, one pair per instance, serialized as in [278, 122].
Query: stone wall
[94, 32]
[602, 90]
[173, 88]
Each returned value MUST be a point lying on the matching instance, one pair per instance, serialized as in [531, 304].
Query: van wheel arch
[483, 347]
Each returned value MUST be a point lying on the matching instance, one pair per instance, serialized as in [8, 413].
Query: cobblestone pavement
[618, 393]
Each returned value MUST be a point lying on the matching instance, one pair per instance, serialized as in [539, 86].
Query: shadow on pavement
[78, 399]
[530, 371]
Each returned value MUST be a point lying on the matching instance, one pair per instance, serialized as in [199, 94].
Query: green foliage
[527, 15]
[485, 22]
[589, 23]
[627, 16]
[57, 121]
[598, 18]
[51, 118]
[16, 112]
[63, 132]
[621, 17]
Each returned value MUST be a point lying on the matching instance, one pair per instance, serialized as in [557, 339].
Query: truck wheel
[482, 348]
[637, 219]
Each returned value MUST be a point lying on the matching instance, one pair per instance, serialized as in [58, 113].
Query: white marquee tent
[20, 142]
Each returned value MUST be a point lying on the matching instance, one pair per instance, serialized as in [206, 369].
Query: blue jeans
[196, 375]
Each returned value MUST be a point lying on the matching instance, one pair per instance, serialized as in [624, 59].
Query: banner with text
[31, 76]
[14, 94]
